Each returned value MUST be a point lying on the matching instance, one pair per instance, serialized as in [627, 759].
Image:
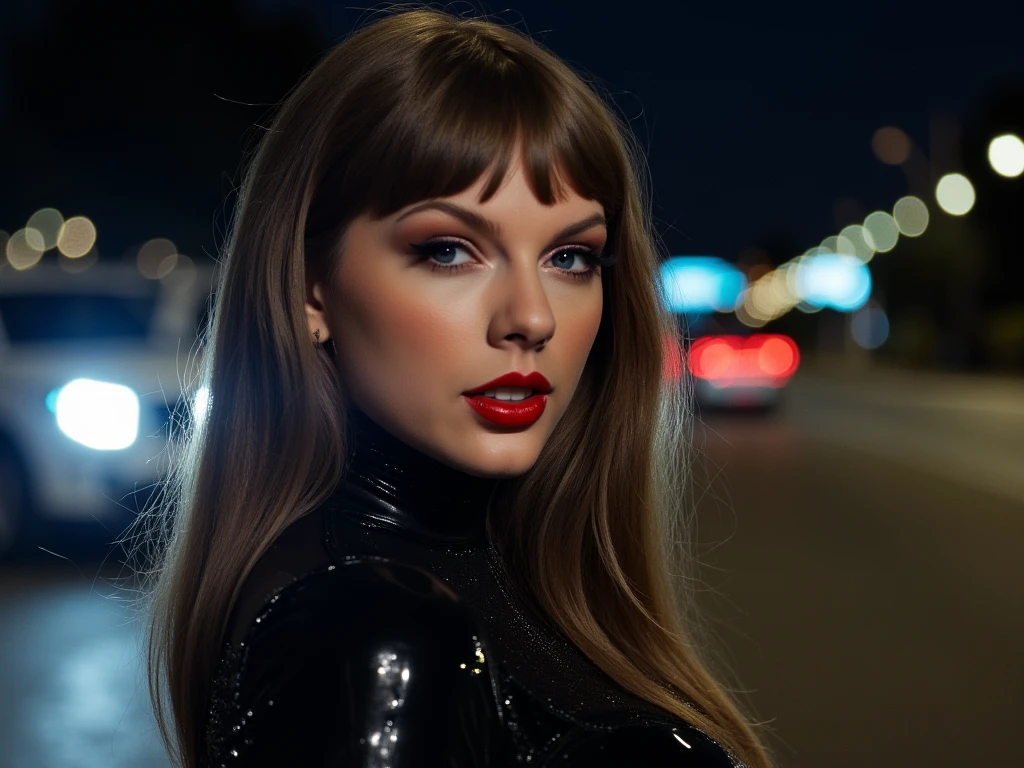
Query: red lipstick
[508, 413]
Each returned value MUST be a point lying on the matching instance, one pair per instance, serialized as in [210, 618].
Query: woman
[427, 518]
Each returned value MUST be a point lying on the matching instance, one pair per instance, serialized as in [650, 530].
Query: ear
[316, 312]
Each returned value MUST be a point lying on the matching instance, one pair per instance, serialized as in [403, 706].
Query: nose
[522, 313]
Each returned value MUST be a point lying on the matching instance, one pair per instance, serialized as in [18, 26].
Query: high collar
[390, 485]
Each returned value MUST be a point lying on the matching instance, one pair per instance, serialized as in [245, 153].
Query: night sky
[756, 117]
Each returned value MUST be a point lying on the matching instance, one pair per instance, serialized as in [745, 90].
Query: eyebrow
[482, 223]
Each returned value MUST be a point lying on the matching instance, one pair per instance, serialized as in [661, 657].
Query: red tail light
[738, 359]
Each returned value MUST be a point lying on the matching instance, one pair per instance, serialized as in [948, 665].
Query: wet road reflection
[73, 693]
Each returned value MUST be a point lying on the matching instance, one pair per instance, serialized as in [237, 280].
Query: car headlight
[98, 414]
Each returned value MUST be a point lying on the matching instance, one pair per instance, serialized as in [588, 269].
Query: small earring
[316, 336]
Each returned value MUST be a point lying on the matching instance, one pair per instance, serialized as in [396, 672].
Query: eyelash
[431, 248]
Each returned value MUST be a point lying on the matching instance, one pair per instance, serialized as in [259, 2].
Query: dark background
[757, 120]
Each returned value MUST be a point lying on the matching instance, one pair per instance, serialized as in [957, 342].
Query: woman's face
[449, 294]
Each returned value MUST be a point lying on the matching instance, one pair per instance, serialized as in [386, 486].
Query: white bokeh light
[955, 194]
[1006, 155]
[98, 414]
[911, 216]
[881, 232]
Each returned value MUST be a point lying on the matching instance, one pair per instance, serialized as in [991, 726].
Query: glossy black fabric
[370, 663]
[378, 568]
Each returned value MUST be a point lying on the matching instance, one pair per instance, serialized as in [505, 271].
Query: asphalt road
[862, 563]
[863, 566]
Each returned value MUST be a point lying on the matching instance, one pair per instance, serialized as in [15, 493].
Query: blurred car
[743, 372]
[91, 367]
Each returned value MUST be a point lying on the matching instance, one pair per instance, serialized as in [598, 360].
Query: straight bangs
[458, 108]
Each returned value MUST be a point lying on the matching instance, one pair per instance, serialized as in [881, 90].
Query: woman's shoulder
[355, 599]
[298, 589]
[297, 576]
[337, 646]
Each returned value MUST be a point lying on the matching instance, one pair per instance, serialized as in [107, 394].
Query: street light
[955, 194]
[881, 231]
[911, 216]
[1006, 155]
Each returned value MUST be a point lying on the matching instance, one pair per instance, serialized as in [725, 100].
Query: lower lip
[504, 413]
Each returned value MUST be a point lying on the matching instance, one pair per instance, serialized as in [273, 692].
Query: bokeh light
[757, 300]
[836, 280]
[792, 273]
[714, 358]
[1006, 155]
[772, 296]
[870, 327]
[808, 308]
[167, 265]
[776, 357]
[701, 284]
[881, 232]
[182, 267]
[35, 239]
[744, 316]
[830, 244]
[47, 223]
[78, 264]
[77, 237]
[22, 251]
[98, 414]
[859, 244]
[955, 194]
[753, 303]
[838, 244]
[155, 255]
[725, 360]
[891, 145]
[911, 216]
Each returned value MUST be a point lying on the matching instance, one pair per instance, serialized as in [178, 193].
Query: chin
[501, 456]
[498, 470]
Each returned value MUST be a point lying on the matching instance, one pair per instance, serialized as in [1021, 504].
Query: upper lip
[534, 381]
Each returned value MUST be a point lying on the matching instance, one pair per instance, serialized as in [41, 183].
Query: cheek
[388, 336]
[581, 326]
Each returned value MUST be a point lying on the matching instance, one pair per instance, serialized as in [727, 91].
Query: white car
[91, 366]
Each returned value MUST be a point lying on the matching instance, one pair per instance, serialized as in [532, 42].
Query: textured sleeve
[370, 663]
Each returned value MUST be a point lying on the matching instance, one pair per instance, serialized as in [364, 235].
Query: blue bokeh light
[870, 327]
[835, 280]
[693, 284]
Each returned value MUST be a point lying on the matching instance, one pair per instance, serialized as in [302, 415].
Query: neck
[393, 486]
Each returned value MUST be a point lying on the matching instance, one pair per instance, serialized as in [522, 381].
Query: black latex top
[396, 567]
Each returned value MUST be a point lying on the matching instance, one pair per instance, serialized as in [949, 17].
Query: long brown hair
[419, 105]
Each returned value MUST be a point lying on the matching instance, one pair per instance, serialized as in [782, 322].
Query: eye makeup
[430, 250]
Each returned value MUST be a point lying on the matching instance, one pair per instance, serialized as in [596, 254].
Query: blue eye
[445, 252]
[442, 254]
[585, 257]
